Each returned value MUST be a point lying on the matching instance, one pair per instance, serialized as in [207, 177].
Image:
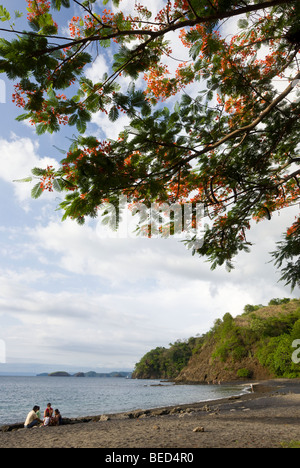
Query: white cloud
[92, 250]
[98, 69]
[107, 128]
[17, 157]
[148, 265]
[128, 6]
[101, 302]
[100, 328]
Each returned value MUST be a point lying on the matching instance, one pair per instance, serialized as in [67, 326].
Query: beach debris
[206, 408]
[12, 427]
[175, 410]
[104, 417]
[160, 412]
[198, 429]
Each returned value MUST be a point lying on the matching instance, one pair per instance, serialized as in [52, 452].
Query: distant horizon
[34, 369]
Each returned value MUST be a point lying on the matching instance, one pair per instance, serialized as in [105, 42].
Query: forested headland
[259, 343]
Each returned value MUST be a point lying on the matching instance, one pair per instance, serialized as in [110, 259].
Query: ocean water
[76, 397]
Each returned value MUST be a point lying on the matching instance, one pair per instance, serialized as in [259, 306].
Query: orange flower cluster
[47, 179]
[103, 148]
[17, 97]
[89, 23]
[171, 12]
[79, 26]
[20, 98]
[182, 5]
[38, 8]
[74, 27]
[107, 16]
[40, 117]
[183, 38]
[70, 165]
[158, 83]
[62, 96]
[161, 87]
[293, 229]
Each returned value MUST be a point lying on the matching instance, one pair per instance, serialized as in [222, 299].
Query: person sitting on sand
[47, 418]
[57, 420]
[38, 413]
[50, 410]
[32, 418]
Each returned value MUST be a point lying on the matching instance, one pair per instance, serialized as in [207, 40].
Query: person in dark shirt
[57, 420]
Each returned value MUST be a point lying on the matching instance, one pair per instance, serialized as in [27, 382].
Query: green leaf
[37, 191]
[4, 14]
[41, 129]
[22, 117]
[51, 93]
[195, 50]
[73, 120]
[186, 100]
[146, 110]
[57, 4]
[36, 171]
[58, 185]
[18, 14]
[60, 150]
[81, 125]
[243, 24]
[27, 179]
[113, 114]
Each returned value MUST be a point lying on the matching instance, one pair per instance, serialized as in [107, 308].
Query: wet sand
[267, 418]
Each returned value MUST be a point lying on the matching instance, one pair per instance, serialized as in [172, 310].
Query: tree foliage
[233, 147]
[166, 363]
[266, 337]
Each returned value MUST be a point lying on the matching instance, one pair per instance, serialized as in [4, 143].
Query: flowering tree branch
[232, 147]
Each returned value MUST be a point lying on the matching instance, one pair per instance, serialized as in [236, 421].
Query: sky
[75, 298]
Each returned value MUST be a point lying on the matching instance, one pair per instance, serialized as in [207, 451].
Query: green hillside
[166, 363]
[256, 344]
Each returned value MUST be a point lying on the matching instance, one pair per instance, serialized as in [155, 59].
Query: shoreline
[266, 418]
[135, 413]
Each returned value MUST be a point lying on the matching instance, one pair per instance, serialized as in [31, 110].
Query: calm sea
[76, 397]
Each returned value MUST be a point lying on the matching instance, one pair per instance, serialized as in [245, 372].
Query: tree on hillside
[233, 147]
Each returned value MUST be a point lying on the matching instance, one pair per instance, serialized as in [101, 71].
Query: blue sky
[73, 299]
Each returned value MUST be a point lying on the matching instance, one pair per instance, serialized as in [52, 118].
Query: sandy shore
[267, 418]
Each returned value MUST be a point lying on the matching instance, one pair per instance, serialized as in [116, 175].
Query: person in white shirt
[47, 418]
[32, 418]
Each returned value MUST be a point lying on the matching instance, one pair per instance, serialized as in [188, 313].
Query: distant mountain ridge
[90, 374]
